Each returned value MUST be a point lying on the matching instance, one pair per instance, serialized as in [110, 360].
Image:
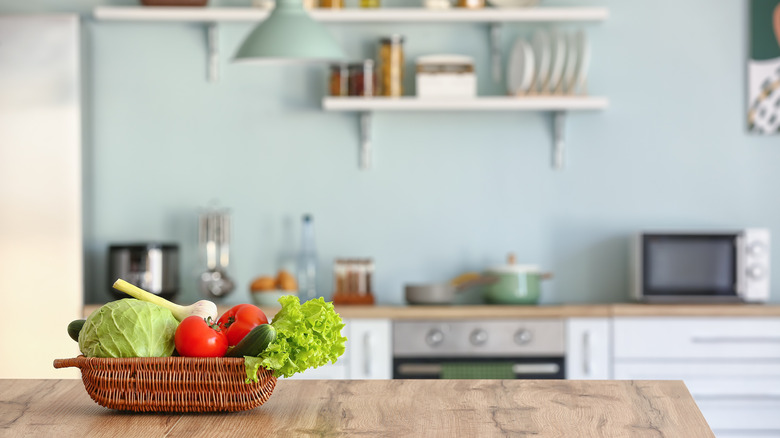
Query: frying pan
[441, 293]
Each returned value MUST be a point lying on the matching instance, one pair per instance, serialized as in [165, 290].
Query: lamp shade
[289, 34]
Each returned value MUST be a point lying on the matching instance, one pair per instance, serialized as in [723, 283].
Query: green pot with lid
[514, 283]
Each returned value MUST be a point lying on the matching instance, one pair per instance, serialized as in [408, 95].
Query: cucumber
[74, 328]
[255, 342]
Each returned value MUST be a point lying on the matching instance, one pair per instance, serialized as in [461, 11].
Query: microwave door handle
[740, 279]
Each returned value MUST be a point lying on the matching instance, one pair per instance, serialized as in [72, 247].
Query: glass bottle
[307, 261]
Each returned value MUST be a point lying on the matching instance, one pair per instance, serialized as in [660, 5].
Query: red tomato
[240, 320]
[195, 337]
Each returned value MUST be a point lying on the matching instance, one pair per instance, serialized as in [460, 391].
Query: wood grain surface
[378, 408]
[542, 311]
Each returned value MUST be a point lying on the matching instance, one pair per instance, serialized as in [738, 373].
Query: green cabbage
[308, 335]
[128, 328]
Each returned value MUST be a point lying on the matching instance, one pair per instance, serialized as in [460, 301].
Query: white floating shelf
[557, 105]
[499, 103]
[356, 15]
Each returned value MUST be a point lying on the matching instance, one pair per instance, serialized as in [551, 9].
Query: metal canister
[391, 65]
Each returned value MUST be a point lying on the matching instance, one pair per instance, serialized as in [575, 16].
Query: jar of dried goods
[332, 4]
[339, 79]
[362, 78]
[391, 65]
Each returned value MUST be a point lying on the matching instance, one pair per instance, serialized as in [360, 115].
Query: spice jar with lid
[338, 83]
[471, 4]
[391, 65]
[331, 4]
[362, 79]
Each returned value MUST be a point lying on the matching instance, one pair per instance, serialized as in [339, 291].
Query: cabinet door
[588, 349]
[370, 355]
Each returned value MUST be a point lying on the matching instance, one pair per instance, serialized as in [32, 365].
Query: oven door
[479, 368]
[690, 266]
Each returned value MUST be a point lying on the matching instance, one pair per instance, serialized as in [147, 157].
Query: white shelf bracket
[559, 122]
[365, 140]
[495, 51]
[212, 41]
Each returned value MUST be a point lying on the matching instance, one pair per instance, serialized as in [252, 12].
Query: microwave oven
[702, 266]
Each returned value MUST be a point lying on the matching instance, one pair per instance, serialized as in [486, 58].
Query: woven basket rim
[172, 384]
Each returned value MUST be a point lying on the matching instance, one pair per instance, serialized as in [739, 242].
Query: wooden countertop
[391, 408]
[541, 311]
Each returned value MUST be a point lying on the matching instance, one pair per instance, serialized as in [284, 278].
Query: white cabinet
[368, 354]
[588, 349]
[730, 365]
[371, 349]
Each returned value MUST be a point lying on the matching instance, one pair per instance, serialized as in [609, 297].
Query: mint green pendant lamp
[289, 34]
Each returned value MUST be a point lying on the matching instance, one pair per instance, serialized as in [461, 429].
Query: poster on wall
[764, 67]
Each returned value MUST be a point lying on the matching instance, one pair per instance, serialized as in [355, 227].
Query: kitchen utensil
[214, 232]
[520, 68]
[572, 56]
[516, 284]
[581, 81]
[151, 266]
[542, 56]
[441, 293]
[557, 60]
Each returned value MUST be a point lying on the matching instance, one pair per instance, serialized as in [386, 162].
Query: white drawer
[711, 380]
[742, 417]
[696, 338]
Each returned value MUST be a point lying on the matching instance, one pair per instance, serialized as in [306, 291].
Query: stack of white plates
[552, 63]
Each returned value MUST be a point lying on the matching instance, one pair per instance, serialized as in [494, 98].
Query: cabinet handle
[735, 339]
[367, 354]
[586, 356]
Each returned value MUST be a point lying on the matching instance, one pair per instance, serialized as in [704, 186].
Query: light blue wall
[450, 192]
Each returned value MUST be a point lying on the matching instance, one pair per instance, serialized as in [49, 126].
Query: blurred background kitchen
[449, 191]
[145, 134]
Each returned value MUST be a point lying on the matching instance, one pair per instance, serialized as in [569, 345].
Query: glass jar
[339, 79]
[370, 3]
[353, 279]
[391, 66]
[471, 4]
[362, 79]
[331, 4]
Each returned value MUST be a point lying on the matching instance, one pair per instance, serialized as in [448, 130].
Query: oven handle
[434, 369]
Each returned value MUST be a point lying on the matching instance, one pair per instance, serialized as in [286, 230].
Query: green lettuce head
[308, 335]
[128, 328]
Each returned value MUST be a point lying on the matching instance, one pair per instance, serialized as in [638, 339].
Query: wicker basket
[172, 384]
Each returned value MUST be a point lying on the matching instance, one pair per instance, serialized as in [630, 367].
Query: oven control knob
[478, 337]
[434, 337]
[522, 337]
[755, 272]
[756, 249]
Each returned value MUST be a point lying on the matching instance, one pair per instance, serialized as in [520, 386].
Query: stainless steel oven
[479, 349]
